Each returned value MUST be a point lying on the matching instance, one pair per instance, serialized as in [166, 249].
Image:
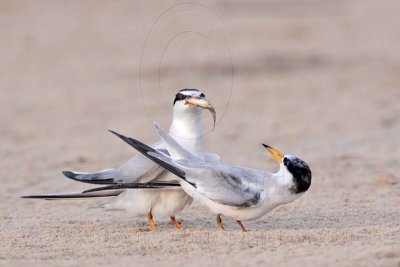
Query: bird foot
[152, 224]
[220, 225]
[178, 224]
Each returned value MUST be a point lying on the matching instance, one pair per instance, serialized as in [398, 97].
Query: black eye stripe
[180, 97]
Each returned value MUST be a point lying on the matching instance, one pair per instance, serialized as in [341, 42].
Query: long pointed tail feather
[75, 195]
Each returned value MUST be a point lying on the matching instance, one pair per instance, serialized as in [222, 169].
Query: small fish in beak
[202, 103]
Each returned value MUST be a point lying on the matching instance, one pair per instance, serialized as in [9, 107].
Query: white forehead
[190, 92]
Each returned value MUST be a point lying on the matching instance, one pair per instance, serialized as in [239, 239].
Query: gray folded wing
[229, 185]
[139, 169]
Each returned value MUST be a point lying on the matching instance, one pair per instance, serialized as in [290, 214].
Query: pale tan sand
[318, 79]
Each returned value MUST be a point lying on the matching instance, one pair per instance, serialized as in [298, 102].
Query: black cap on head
[187, 93]
[301, 174]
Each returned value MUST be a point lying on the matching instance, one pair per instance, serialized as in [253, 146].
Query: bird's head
[192, 101]
[297, 169]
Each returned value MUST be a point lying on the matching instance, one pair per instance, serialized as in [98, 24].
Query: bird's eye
[181, 96]
[202, 95]
[285, 161]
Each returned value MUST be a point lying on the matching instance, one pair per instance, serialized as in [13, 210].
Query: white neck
[284, 181]
[187, 129]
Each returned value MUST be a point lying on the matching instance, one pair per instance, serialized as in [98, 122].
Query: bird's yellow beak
[202, 103]
[277, 155]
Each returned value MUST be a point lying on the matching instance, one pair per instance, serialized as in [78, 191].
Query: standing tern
[236, 192]
[187, 129]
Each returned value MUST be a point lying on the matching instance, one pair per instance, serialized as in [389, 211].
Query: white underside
[161, 203]
[238, 213]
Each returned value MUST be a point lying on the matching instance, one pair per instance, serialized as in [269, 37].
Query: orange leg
[177, 224]
[241, 226]
[153, 226]
[219, 222]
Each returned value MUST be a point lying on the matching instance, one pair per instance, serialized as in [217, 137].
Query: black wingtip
[68, 174]
[79, 177]
[130, 141]
[35, 197]
[145, 149]
[113, 132]
[126, 139]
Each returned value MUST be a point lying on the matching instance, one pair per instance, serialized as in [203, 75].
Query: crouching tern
[187, 129]
[236, 192]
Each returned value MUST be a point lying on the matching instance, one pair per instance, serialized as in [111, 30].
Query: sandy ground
[318, 79]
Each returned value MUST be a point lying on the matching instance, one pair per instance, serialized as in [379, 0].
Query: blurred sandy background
[318, 79]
